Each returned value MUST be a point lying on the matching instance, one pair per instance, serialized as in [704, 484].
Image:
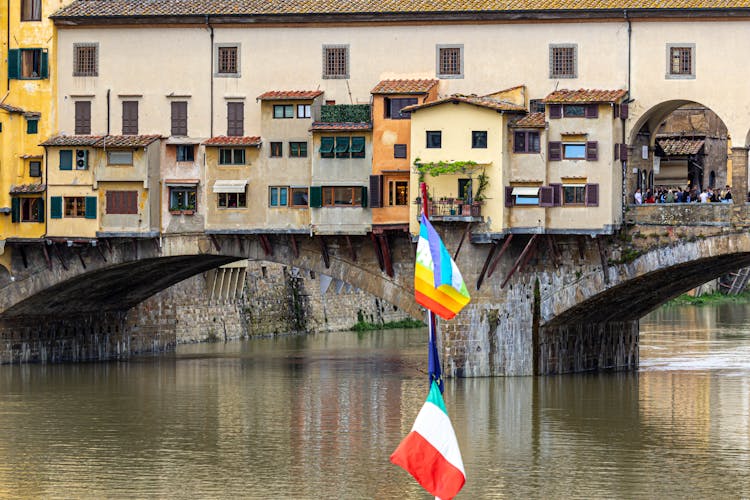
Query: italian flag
[430, 452]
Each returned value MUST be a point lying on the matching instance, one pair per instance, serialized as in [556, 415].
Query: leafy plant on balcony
[442, 167]
[345, 113]
[483, 179]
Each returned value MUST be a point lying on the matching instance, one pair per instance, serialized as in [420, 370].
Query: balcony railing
[452, 209]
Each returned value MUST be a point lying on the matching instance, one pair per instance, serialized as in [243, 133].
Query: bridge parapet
[687, 214]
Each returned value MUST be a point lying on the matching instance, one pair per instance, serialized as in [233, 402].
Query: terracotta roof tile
[532, 120]
[584, 96]
[177, 8]
[404, 86]
[484, 102]
[224, 140]
[72, 140]
[28, 188]
[340, 127]
[284, 95]
[680, 145]
[126, 141]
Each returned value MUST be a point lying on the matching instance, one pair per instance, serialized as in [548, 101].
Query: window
[85, 59]
[574, 110]
[31, 63]
[31, 209]
[524, 196]
[398, 193]
[227, 60]
[681, 60]
[526, 141]
[28, 64]
[393, 108]
[298, 149]
[339, 196]
[450, 63]
[479, 139]
[122, 202]
[283, 111]
[303, 111]
[179, 118]
[358, 147]
[129, 117]
[119, 157]
[278, 196]
[574, 194]
[66, 159]
[231, 156]
[75, 206]
[83, 117]
[563, 61]
[326, 147]
[574, 150]
[299, 197]
[82, 159]
[185, 152]
[464, 189]
[342, 147]
[399, 150]
[182, 198]
[335, 61]
[235, 119]
[276, 148]
[35, 168]
[434, 139]
[32, 125]
[31, 10]
[536, 106]
[232, 200]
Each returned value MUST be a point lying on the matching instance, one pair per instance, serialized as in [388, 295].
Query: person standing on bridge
[728, 195]
[638, 197]
[703, 196]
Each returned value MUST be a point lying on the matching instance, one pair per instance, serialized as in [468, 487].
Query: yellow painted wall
[71, 183]
[257, 199]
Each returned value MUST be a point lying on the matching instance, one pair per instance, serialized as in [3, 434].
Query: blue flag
[436, 374]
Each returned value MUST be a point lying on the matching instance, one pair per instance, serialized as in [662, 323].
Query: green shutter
[91, 207]
[40, 215]
[342, 145]
[55, 207]
[66, 159]
[44, 69]
[14, 63]
[15, 209]
[32, 126]
[358, 144]
[316, 196]
[326, 145]
[364, 196]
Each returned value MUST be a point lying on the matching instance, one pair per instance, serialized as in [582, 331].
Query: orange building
[391, 130]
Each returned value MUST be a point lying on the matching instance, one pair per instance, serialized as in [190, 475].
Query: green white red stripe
[430, 452]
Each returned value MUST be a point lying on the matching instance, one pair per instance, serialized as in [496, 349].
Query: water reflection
[318, 416]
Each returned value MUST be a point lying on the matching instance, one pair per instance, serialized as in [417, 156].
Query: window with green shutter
[55, 207]
[358, 147]
[32, 126]
[316, 196]
[364, 196]
[66, 159]
[326, 147]
[342, 147]
[15, 210]
[14, 63]
[91, 207]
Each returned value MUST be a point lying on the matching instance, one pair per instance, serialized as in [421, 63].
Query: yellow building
[27, 117]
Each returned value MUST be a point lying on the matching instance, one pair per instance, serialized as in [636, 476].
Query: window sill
[182, 212]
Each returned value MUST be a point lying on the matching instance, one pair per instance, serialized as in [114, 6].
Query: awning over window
[230, 186]
[525, 191]
[181, 182]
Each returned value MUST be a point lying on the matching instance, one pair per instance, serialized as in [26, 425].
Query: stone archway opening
[678, 146]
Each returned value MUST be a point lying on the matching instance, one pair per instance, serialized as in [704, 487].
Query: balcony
[344, 113]
[454, 210]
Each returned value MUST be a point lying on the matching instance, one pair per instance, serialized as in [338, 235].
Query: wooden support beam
[463, 237]
[266, 244]
[106, 244]
[552, 250]
[240, 245]
[46, 256]
[23, 256]
[505, 247]
[155, 241]
[80, 257]
[135, 247]
[60, 257]
[480, 280]
[582, 247]
[532, 253]
[215, 241]
[352, 253]
[295, 248]
[522, 259]
[385, 248]
[378, 252]
[101, 254]
[324, 251]
[603, 257]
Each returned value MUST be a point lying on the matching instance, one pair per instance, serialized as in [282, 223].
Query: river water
[318, 416]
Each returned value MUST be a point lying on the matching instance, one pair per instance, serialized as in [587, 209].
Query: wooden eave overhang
[447, 17]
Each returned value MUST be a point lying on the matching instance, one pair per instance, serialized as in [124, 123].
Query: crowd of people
[678, 195]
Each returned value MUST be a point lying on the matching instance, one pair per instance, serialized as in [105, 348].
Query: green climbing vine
[442, 167]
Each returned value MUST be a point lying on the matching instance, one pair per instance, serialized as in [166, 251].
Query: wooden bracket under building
[463, 237]
[553, 250]
[23, 256]
[352, 253]
[157, 247]
[46, 256]
[80, 257]
[505, 247]
[378, 252]
[135, 248]
[582, 247]
[386, 250]
[480, 280]
[295, 249]
[215, 241]
[98, 249]
[324, 251]
[240, 245]
[60, 257]
[522, 259]
[603, 257]
[266, 244]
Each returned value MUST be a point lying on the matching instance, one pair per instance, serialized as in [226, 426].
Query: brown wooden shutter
[592, 195]
[83, 118]
[616, 111]
[236, 119]
[617, 151]
[592, 151]
[592, 111]
[508, 196]
[179, 118]
[555, 111]
[546, 196]
[554, 151]
[376, 191]
[129, 117]
[624, 111]
[624, 152]
[556, 194]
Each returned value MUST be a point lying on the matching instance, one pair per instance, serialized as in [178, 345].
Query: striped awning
[230, 186]
[525, 191]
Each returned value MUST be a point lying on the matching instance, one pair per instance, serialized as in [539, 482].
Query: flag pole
[434, 358]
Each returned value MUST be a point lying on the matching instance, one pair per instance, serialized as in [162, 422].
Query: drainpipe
[624, 139]
[108, 112]
[211, 72]
[7, 42]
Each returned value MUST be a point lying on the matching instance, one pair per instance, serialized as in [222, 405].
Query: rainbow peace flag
[438, 284]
